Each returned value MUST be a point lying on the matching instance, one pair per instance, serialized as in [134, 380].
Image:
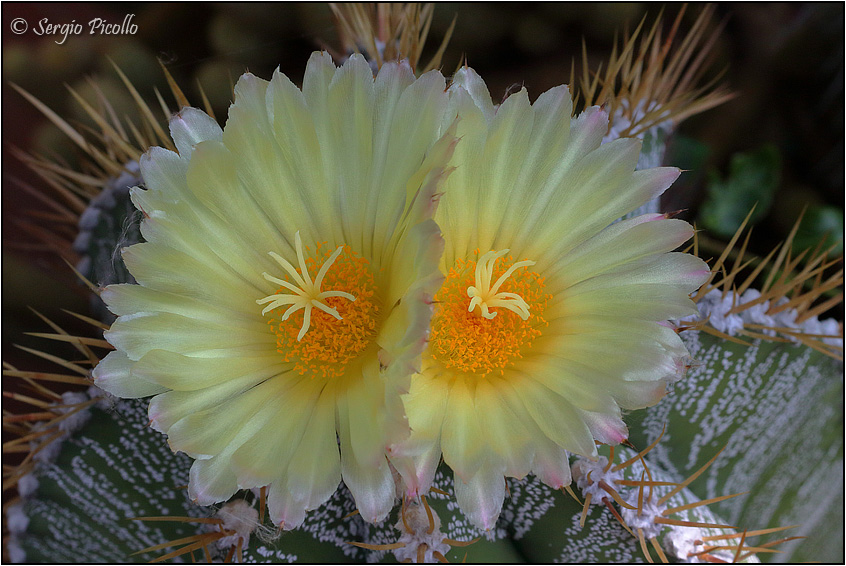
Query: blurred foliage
[751, 182]
[821, 224]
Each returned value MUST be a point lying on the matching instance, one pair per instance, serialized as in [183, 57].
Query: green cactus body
[117, 468]
[778, 410]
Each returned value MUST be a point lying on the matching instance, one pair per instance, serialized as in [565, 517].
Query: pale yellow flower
[551, 320]
[286, 282]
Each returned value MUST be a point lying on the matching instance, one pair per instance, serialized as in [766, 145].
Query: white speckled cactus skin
[775, 407]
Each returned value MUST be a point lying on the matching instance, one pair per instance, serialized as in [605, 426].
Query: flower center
[466, 334]
[331, 318]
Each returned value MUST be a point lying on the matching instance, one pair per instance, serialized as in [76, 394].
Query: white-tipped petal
[371, 482]
[113, 375]
[191, 126]
[481, 496]
[286, 510]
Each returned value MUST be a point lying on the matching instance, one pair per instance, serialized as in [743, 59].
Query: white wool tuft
[238, 516]
[584, 467]
[418, 522]
[77, 420]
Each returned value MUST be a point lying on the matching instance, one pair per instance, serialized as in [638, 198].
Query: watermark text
[61, 31]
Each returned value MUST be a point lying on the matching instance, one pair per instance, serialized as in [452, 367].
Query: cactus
[732, 462]
[116, 470]
[766, 412]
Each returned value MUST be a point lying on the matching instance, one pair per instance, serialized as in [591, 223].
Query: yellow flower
[551, 318]
[286, 282]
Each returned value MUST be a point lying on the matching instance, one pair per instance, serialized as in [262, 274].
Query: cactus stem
[211, 520]
[52, 438]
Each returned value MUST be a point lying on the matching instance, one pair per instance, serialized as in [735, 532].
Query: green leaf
[820, 223]
[752, 181]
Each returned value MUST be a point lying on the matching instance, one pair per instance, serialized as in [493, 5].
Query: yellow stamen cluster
[487, 296]
[306, 293]
[344, 319]
[479, 341]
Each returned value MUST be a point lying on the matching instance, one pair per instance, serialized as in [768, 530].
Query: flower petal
[552, 465]
[470, 81]
[315, 468]
[462, 440]
[372, 484]
[206, 433]
[264, 457]
[286, 509]
[169, 407]
[481, 496]
[618, 244]
[190, 126]
[558, 420]
[186, 373]
[138, 334]
[211, 481]
[113, 375]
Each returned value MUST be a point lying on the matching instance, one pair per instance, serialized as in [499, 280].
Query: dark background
[784, 61]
